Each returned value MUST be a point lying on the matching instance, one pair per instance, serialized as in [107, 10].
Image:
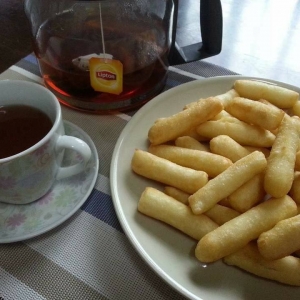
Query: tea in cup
[32, 142]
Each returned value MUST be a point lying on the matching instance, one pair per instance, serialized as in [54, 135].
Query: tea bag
[82, 62]
[106, 73]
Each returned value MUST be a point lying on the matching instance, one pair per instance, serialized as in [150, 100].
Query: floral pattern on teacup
[41, 150]
[30, 175]
[7, 183]
[66, 195]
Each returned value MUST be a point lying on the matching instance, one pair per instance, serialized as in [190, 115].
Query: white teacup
[28, 175]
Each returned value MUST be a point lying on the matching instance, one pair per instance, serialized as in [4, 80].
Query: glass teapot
[113, 55]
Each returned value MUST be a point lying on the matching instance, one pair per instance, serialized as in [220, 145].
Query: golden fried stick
[191, 143]
[251, 192]
[243, 133]
[254, 112]
[227, 182]
[169, 128]
[164, 171]
[256, 90]
[281, 161]
[238, 232]
[160, 206]
[284, 270]
[224, 98]
[295, 189]
[282, 240]
[212, 164]
[219, 213]
[228, 147]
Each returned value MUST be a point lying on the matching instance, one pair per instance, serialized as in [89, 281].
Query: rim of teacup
[58, 118]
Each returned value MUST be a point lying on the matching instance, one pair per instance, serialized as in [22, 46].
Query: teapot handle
[211, 24]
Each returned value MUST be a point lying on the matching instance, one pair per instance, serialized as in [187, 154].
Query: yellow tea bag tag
[106, 75]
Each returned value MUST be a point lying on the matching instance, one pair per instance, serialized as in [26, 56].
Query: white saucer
[21, 222]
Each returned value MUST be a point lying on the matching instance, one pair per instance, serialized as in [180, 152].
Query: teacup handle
[77, 145]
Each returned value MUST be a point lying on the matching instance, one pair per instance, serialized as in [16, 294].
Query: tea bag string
[102, 33]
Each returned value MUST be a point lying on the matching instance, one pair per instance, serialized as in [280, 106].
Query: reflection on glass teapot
[113, 55]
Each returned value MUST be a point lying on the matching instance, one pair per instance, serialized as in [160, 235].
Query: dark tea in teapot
[113, 55]
[63, 48]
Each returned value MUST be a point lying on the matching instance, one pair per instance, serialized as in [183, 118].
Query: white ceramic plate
[169, 252]
[21, 222]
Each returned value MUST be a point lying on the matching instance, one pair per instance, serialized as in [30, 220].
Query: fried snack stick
[184, 197]
[295, 189]
[281, 161]
[285, 270]
[225, 116]
[224, 98]
[177, 194]
[164, 171]
[191, 143]
[193, 134]
[219, 214]
[167, 129]
[254, 112]
[210, 163]
[249, 194]
[296, 121]
[296, 109]
[274, 131]
[160, 206]
[252, 191]
[265, 151]
[279, 96]
[280, 241]
[227, 182]
[228, 147]
[243, 133]
[238, 232]
[297, 162]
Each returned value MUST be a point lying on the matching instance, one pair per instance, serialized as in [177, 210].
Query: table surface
[72, 261]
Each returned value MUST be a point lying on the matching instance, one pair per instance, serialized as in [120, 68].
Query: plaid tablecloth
[88, 256]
